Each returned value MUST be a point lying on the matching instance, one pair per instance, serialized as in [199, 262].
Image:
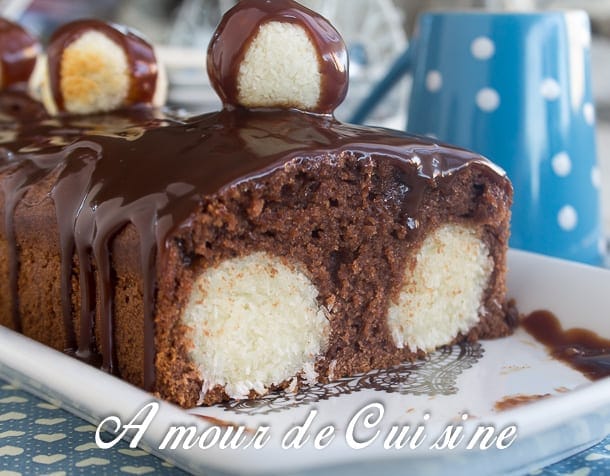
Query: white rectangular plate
[463, 379]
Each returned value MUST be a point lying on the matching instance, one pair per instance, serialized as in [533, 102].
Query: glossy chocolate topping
[581, 349]
[240, 26]
[16, 106]
[138, 167]
[140, 55]
[18, 53]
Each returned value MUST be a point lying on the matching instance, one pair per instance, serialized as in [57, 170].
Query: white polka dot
[567, 218]
[596, 457]
[589, 112]
[550, 89]
[488, 99]
[434, 81]
[482, 48]
[562, 165]
[596, 177]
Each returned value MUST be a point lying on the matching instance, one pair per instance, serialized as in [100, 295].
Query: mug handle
[400, 67]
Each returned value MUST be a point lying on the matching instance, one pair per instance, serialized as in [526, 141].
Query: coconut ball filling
[254, 322]
[94, 74]
[441, 295]
[280, 68]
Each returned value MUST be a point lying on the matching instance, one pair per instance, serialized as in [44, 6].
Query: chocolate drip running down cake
[255, 248]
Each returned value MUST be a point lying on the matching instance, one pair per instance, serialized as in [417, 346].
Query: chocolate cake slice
[255, 248]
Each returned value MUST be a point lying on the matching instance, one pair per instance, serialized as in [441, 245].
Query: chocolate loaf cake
[250, 249]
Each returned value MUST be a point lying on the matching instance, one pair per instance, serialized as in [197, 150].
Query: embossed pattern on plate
[435, 375]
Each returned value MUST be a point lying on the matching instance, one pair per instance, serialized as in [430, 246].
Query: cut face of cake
[252, 249]
[313, 247]
[320, 262]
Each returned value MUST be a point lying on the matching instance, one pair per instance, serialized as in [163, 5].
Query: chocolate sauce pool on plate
[581, 349]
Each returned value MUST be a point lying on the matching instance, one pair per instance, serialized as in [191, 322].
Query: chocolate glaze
[511, 401]
[18, 53]
[139, 167]
[140, 57]
[238, 29]
[16, 105]
[581, 349]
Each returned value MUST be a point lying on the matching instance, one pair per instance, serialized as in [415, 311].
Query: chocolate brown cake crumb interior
[230, 254]
[345, 221]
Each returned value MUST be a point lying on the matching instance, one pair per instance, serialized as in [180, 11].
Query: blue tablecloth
[37, 437]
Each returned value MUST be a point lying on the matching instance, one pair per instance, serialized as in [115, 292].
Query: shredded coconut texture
[254, 322]
[442, 295]
[94, 74]
[280, 69]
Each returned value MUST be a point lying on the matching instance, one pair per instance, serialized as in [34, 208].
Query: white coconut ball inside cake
[255, 322]
[436, 301]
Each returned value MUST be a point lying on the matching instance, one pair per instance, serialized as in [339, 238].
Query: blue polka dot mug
[514, 87]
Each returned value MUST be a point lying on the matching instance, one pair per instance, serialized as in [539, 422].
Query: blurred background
[376, 31]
